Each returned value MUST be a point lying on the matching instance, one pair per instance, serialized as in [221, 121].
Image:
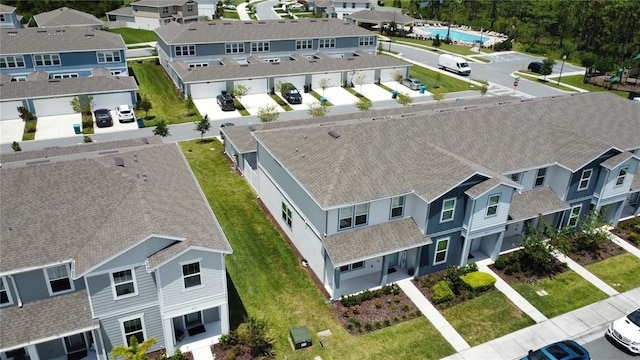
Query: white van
[454, 64]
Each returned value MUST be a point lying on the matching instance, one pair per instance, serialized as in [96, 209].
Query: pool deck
[421, 32]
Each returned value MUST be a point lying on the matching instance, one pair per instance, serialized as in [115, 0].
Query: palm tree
[134, 351]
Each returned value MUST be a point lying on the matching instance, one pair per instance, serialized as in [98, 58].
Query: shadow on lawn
[237, 311]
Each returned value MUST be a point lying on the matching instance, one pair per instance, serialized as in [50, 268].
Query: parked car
[626, 331]
[412, 83]
[125, 113]
[290, 93]
[226, 102]
[103, 118]
[562, 350]
[535, 67]
[227, 124]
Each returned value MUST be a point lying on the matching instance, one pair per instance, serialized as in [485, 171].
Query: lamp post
[564, 57]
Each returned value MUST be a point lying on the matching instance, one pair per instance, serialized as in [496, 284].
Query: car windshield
[538, 355]
[634, 317]
[293, 91]
[102, 115]
[417, 82]
[464, 65]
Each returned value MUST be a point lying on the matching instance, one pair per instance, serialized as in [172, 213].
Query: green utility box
[300, 337]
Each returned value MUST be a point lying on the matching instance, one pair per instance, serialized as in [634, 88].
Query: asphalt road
[264, 10]
[602, 349]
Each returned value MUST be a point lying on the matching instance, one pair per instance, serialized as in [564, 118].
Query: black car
[225, 101]
[535, 67]
[290, 93]
[103, 118]
[225, 125]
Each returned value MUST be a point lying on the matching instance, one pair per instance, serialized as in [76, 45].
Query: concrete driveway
[11, 130]
[253, 102]
[117, 126]
[210, 107]
[59, 126]
[338, 96]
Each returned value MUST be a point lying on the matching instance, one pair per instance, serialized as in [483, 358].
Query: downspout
[104, 350]
[13, 282]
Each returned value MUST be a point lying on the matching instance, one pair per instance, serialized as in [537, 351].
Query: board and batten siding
[113, 333]
[212, 276]
[102, 298]
[136, 255]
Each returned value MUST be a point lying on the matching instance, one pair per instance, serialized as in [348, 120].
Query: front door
[393, 260]
[75, 343]
[193, 319]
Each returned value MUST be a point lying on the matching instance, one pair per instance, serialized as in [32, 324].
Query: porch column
[496, 249]
[466, 248]
[417, 260]
[616, 217]
[224, 318]
[169, 337]
[383, 271]
[33, 352]
[637, 210]
[336, 283]
[101, 340]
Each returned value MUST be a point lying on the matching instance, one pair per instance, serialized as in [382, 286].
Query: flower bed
[629, 230]
[446, 288]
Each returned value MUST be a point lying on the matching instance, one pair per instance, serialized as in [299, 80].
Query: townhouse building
[370, 198]
[9, 18]
[339, 9]
[151, 14]
[105, 242]
[65, 16]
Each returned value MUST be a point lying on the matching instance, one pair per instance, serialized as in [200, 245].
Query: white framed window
[47, 59]
[304, 44]
[64, 76]
[448, 210]
[585, 178]
[123, 284]
[15, 61]
[2, 18]
[327, 43]
[367, 5]
[109, 56]
[515, 177]
[19, 78]
[286, 214]
[191, 275]
[116, 72]
[492, 205]
[185, 50]
[189, 8]
[397, 207]
[540, 175]
[260, 46]
[353, 5]
[442, 247]
[353, 216]
[355, 266]
[234, 48]
[196, 65]
[133, 326]
[574, 216]
[5, 296]
[165, 10]
[367, 41]
[58, 279]
[344, 5]
[622, 174]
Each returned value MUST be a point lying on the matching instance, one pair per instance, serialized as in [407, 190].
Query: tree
[190, 105]
[547, 67]
[134, 351]
[404, 99]
[203, 126]
[316, 109]
[437, 94]
[25, 114]
[360, 79]
[268, 113]
[82, 104]
[258, 339]
[325, 83]
[436, 41]
[240, 90]
[363, 104]
[145, 105]
[161, 129]
[484, 89]
[537, 253]
[15, 146]
[397, 77]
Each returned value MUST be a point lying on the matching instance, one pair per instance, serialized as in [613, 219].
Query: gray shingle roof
[31, 89]
[160, 3]
[66, 39]
[36, 321]
[6, 8]
[350, 246]
[373, 16]
[80, 205]
[225, 31]
[635, 185]
[123, 11]
[616, 160]
[66, 17]
[529, 204]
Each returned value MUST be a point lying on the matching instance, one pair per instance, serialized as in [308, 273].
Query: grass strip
[620, 272]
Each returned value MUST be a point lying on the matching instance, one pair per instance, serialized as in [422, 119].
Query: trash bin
[77, 129]
[422, 89]
[140, 122]
[394, 94]
[323, 100]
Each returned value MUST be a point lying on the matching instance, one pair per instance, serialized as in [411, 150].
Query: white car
[626, 331]
[125, 113]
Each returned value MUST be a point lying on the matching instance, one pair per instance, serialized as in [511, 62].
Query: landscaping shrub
[441, 293]
[501, 262]
[635, 238]
[30, 127]
[478, 281]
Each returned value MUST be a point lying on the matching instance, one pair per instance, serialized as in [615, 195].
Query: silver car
[626, 331]
[412, 83]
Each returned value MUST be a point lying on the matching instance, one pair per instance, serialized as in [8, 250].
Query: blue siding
[32, 286]
[586, 206]
[112, 332]
[453, 253]
[51, 349]
[573, 192]
[435, 208]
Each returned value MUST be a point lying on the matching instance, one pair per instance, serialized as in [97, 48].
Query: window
[540, 175]
[354, 266]
[196, 65]
[584, 179]
[367, 41]
[353, 5]
[124, 283]
[116, 72]
[2, 18]
[347, 215]
[193, 319]
[11, 61]
[58, 279]
[448, 209]
[191, 274]
[367, 5]
[19, 78]
[621, 175]
[108, 56]
[47, 59]
[260, 46]
[133, 327]
[327, 43]
[286, 215]
[165, 10]
[397, 206]
[492, 205]
[185, 50]
[441, 251]
[515, 177]
[5, 298]
[189, 8]
[64, 76]
[344, 5]
[304, 44]
[575, 215]
[234, 48]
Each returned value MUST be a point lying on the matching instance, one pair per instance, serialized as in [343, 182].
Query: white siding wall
[417, 209]
[335, 79]
[371, 266]
[479, 219]
[146, 23]
[610, 189]
[135, 255]
[558, 180]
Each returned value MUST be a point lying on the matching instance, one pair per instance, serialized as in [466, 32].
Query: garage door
[297, 81]
[367, 76]
[110, 101]
[386, 75]
[335, 79]
[207, 91]
[54, 106]
[9, 110]
[257, 86]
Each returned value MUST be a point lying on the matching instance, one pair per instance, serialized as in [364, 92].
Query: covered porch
[201, 326]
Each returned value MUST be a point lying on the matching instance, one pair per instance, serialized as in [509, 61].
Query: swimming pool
[454, 35]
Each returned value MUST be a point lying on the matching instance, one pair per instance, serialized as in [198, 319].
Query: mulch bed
[625, 230]
[521, 277]
[240, 352]
[431, 279]
[609, 249]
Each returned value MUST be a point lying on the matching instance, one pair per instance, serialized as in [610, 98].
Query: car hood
[627, 329]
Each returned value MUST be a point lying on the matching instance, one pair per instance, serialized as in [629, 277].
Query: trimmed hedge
[441, 292]
[478, 281]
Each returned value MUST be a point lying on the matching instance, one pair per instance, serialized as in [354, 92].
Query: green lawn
[576, 80]
[486, 317]
[567, 291]
[135, 36]
[620, 272]
[268, 282]
[428, 45]
[432, 79]
[553, 82]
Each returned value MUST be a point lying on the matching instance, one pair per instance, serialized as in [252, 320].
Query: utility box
[77, 129]
[300, 337]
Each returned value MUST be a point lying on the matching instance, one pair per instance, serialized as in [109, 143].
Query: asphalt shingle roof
[373, 16]
[530, 204]
[160, 3]
[616, 160]
[39, 86]
[64, 39]
[66, 17]
[6, 8]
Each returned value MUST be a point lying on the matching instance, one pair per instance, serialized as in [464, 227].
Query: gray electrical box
[300, 337]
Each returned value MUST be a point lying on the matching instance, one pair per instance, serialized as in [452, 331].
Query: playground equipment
[617, 76]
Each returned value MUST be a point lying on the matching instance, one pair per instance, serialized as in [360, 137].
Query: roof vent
[41, 31]
[145, 178]
[145, 140]
[192, 29]
[90, 34]
[252, 128]
[334, 134]
[119, 161]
